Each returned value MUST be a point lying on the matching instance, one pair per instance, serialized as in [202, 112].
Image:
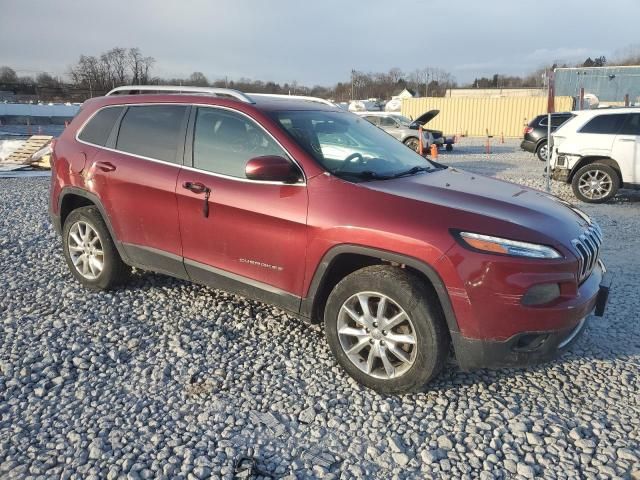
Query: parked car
[535, 134]
[406, 130]
[403, 259]
[598, 152]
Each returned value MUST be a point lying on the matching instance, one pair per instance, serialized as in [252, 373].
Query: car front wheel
[595, 183]
[385, 328]
[413, 143]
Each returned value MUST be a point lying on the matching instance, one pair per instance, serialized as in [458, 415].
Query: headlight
[487, 243]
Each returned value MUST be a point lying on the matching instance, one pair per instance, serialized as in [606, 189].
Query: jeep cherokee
[295, 202]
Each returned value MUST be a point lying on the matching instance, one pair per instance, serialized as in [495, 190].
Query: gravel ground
[167, 379]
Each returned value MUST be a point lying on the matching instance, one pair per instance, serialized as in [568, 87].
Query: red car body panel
[278, 235]
[254, 230]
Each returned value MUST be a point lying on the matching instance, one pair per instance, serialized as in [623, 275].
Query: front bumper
[530, 347]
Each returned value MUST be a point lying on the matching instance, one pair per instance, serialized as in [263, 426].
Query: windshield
[403, 120]
[349, 146]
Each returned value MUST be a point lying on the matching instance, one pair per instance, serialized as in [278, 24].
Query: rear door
[626, 149]
[138, 174]
[597, 136]
[251, 237]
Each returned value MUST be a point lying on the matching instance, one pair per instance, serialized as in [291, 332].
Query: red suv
[294, 202]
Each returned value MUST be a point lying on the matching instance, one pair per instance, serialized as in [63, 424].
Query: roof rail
[218, 92]
[296, 97]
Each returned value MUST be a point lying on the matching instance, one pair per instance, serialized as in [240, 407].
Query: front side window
[605, 124]
[387, 122]
[153, 131]
[99, 128]
[349, 146]
[632, 125]
[225, 141]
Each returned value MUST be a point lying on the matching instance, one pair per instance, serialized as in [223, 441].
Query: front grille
[587, 247]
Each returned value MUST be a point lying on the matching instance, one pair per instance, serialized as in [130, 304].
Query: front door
[247, 236]
[626, 149]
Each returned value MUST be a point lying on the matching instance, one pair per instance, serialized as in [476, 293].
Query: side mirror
[272, 168]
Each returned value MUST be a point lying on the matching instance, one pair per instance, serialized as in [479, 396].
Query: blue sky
[316, 42]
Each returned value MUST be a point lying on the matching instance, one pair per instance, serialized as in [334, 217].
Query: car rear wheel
[595, 183]
[386, 329]
[90, 252]
[413, 143]
[542, 151]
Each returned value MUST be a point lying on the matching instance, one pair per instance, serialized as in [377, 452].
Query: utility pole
[353, 74]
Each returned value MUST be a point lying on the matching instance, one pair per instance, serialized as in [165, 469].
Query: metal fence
[477, 117]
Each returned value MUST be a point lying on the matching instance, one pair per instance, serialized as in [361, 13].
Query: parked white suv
[598, 152]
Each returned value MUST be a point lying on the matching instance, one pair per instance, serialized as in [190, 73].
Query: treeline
[96, 75]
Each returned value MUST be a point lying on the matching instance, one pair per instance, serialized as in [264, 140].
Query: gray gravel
[167, 379]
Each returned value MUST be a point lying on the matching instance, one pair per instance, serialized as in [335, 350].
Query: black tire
[541, 151]
[420, 304]
[449, 147]
[413, 143]
[596, 171]
[114, 271]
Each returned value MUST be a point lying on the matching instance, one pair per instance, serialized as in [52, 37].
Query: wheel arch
[341, 260]
[588, 159]
[72, 198]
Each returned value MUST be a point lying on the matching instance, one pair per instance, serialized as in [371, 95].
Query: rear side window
[153, 131]
[605, 124]
[99, 128]
[225, 141]
[632, 125]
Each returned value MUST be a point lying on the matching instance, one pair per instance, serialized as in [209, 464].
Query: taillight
[528, 130]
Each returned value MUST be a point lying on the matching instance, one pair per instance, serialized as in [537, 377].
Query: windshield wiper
[365, 175]
[411, 171]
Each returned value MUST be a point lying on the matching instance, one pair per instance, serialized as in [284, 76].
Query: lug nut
[375, 324]
[371, 341]
[382, 343]
[384, 332]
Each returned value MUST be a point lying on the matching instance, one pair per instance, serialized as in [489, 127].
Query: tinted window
[387, 122]
[606, 124]
[372, 119]
[99, 128]
[632, 126]
[225, 141]
[152, 131]
[556, 120]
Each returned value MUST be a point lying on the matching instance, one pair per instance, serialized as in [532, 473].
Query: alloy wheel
[595, 184]
[377, 335]
[85, 250]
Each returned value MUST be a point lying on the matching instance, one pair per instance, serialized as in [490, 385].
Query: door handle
[195, 187]
[627, 139]
[106, 166]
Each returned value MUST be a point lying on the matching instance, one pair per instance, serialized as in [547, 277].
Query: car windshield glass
[403, 120]
[349, 146]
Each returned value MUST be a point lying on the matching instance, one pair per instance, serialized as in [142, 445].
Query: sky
[316, 43]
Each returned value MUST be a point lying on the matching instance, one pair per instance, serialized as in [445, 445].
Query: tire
[422, 321]
[541, 151]
[84, 235]
[449, 147]
[595, 183]
[413, 143]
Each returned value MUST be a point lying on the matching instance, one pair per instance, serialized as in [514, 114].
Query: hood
[462, 191]
[426, 117]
